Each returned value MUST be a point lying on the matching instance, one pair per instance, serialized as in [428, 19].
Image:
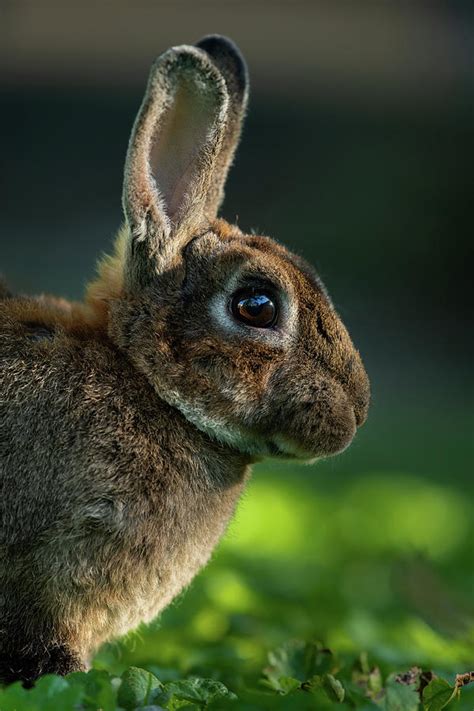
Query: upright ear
[173, 159]
[228, 59]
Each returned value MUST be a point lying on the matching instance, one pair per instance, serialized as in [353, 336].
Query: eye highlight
[254, 308]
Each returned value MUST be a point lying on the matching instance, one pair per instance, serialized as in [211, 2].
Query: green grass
[376, 567]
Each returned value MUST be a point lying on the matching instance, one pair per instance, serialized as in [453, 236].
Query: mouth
[329, 439]
[286, 449]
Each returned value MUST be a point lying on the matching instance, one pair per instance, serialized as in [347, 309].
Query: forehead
[228, 249]
[300, 271]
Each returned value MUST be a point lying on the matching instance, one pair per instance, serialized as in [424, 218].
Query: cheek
[238, 378]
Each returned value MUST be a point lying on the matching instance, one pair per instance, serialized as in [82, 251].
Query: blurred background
[358, 154]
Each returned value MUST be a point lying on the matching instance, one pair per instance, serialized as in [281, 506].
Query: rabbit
[130, 421]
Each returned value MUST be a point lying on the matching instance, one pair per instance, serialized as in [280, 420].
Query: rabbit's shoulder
[52, 355]
[93, 421]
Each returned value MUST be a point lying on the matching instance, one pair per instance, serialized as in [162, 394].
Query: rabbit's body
[127, 499]
[129, 421]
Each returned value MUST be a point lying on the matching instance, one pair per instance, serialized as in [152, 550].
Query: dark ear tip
[225, 53]
[218, 43]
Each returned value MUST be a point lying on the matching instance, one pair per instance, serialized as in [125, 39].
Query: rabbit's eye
[254, 308]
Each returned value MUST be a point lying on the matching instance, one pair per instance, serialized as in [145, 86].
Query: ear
[228, 59]
[172, 158]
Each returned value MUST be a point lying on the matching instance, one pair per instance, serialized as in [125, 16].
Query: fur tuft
[108, 284]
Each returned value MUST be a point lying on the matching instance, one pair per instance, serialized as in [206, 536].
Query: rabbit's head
[232, 329]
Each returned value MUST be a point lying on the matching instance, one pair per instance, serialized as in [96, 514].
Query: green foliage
[379, 563]
[196, 692]
[50, 692]
[397, 696]
[138, 688]
[296, 677]
[438, 694]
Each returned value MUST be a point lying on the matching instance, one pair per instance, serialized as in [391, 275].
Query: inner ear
[171, 160]
[176, 157]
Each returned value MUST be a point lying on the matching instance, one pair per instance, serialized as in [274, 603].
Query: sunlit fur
[130, 420]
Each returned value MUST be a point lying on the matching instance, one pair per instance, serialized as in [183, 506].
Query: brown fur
[129, 421]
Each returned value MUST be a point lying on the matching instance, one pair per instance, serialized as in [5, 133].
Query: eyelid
[255, 281]
[270, 290]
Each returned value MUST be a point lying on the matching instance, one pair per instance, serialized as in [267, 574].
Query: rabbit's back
[109, 499]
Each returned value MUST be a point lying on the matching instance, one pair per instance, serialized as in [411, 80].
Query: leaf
[358, 696]
[99, 689]
[50, 691]
[437, 694]
[298, 660]
[16, 698]
[363, 663]
[374, 682]
[367, 679]
[138, 687]
[333, 688]
[398, 697]
[195, 690]
[50, 686]
[283, 684]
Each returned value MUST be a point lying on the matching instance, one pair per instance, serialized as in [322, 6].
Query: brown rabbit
[129, 422]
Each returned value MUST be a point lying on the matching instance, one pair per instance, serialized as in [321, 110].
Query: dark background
[357, 153]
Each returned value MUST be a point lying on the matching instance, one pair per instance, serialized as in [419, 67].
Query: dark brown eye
[254, 309]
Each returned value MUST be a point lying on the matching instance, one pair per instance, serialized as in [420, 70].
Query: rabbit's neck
[217, 430]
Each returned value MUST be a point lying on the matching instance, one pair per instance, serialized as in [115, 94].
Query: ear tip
[181, 59]
[181, 54]
[223, 51]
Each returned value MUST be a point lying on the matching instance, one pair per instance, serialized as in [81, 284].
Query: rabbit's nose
[361, 412]
[361, 397]
[357, 387]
